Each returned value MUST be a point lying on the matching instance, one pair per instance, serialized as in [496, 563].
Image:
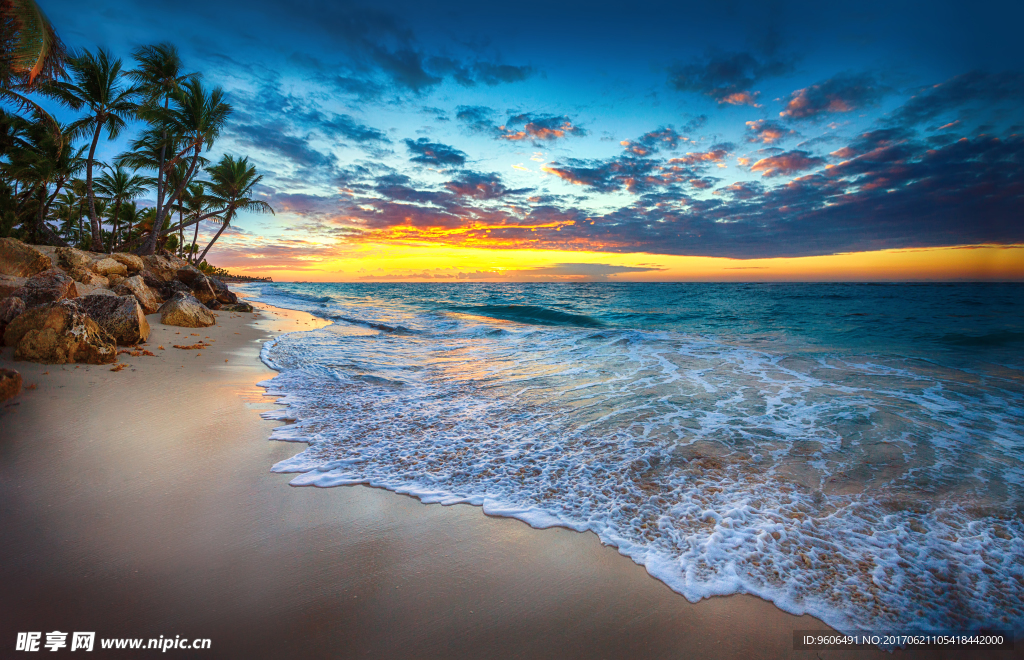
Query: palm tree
[131, 215]
[118, 186]
[196, 118]
[39, 163]
[194, 204]
[30, 53]
[96, 82]
[231, 184]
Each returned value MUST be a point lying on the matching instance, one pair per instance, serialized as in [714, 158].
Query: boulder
[131, 262]
[109, 266]
[185, 311]
[190, 274]
[203, 290]
[135, 286]
[163, 267]
[224, 294]
[242, 307]
[93, 290]
[21, 260]
[58, 333]
[114, 279]
[48, 286]
[10, 309]
[9, 284]
[10, 384]
[71, 259]
[120, 316]
[86, 276]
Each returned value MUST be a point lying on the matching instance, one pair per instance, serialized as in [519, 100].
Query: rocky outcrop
[93, 290]
[10, 309]
[242, 307]
[10, 384]
[120, 316]
[9, 284]
[163, 267]
[224, 295]
[114, 279]
[58, 333]
[202, 286]
[48, 286]
[131, 262]
[136, 286]
[21, 260]
[109, 266]
[185, 311]
[71, 259]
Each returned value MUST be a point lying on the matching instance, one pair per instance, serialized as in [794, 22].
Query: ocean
[851, 451]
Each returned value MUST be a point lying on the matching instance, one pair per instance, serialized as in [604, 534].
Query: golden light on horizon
[421, 261]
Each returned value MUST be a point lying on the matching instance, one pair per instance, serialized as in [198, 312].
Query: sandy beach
[140, 503]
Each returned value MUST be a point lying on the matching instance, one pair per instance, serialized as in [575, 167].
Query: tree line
[54, 190]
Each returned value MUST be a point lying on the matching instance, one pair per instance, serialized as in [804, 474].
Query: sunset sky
[619, 141]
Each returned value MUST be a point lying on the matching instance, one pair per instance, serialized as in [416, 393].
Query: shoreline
[147, 507]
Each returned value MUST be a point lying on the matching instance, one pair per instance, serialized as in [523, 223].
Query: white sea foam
[871, 492]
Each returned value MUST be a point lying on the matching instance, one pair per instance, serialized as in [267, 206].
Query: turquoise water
[853, 451]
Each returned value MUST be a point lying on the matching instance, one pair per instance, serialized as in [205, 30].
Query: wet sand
[141, 503]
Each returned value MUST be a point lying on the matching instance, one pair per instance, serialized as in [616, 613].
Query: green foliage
[54, 189]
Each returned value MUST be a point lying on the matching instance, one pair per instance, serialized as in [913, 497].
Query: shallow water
[851, 451]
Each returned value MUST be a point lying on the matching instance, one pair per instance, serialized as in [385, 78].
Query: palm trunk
[117, 218]
[94, 221]
[41, 227]
[149, 246]
[181, 232]
[195, 243]
[223, 226]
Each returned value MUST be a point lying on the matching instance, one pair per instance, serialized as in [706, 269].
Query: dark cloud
[470, 74]
[966, 91]
[842, 93]
[727, 77]
[787, 163]
[346, 127]
[765, 131]
[642, 175]
[529, 126]
[649, 143]
[435, 153]
[480, 186]
[274, 139]
[538, 128]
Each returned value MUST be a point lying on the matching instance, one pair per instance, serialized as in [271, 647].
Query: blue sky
[737, 129]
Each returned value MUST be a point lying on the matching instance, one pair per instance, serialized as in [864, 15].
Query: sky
[654, 141]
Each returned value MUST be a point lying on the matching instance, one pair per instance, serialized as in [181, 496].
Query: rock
[203, 290]
[223, 293]
[242, 307]
[58, 333]
[135, 286]
[10, 309]
[114, 279]
[86, 276]
[189, 274]
[9, 284]
[93, 289]
[107, 266]
[120, 316]
[131, 262]
[21, 260]
[48, 286]
[163, 267]
[185, 311]
[71, 259]
[213, 304]
[10, 384]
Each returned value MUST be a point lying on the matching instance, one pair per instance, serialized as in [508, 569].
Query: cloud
[968, 90]
[842, 93]
[727, 77]
[470, 74]
[786, 163]
[768, 132]
[537, 128]
[435, 153]
[479, 186]
[649, 143]
[347, 127]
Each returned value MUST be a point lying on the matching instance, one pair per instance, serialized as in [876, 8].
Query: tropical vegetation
[53, 187]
